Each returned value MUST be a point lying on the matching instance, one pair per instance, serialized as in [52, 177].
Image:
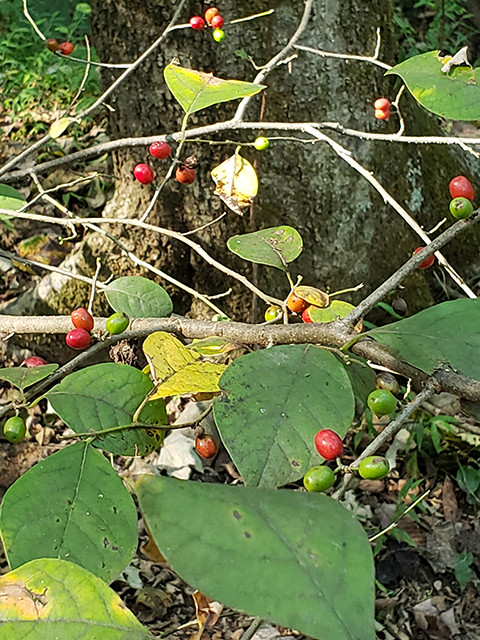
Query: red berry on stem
[381, 104]
[66, 48]
[382, 115]
[144, 174]
[197, 22]
[296, 304]
[34, 361]
[328, 444]
[461, 187]
[78, 339]
[210, 13]
[306, 317]
[217, 22]
[160, 150]
[206, 446]
[426, 263]
[82, 319]
[185, 175]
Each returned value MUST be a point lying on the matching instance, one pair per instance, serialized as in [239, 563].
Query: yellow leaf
[237, 182]
[212, 346]
[166, 354]
[312, 295]
[58, 127]
[195, 377]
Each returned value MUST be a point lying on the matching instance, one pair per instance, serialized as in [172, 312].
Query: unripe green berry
[218, 35]
[381, 402]
[261, 143]
[14, 429]
[374, 467]
[461, 208]
[319, 478]
[117, 323]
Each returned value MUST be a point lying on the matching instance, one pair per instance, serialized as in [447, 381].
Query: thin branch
[392, 283]
[347, 156]
[395, 522]
[32, 22]
[276, 59]
[344, 56]
[94, 285]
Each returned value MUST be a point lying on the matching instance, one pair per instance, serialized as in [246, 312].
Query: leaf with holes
[195, 90]
[274, 247]
[300, 560]
[51, 599]
[273, 403]
[23, 377]
[448, 333]
[139, 298]
[454, 95]
[72, 505]
[105, 396]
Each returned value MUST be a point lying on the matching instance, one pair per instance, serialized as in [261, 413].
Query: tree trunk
[350, 235]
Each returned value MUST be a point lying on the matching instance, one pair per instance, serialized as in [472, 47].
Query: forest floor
[423, 589]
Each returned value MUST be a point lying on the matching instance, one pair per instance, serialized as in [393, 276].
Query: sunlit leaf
[237, 182]
[139, 297]
[10, 198]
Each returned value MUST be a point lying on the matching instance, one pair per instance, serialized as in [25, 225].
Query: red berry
[66, 48]
[52, 44]
[461, 187]
[160, 150]
[206, 446]
[426, 263]
[306, 317]
[34, 361]
[210, 13]
[197, 22]
[382, 115]
[144, 174]
[185, 175]
[328, 444]
[78, 338]
[381, 104]
[296, 304]
[82, 319]
[217, 22]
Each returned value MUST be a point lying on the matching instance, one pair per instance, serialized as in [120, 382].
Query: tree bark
[350, 235]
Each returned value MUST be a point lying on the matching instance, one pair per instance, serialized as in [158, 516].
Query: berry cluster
[213, 19]
[79, 338]
[185, 172]
[462, 192]
[65, 48]
[382, 108]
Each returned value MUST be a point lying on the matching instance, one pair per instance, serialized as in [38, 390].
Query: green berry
[374, 467]
[117, 323]
[319, 478]
[381, 402]
[218, 35]
[261, 143]
[219, 318]
[273, 314]
[461, 208]
[14, 429]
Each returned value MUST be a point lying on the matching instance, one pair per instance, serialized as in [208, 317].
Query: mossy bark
[350, 234]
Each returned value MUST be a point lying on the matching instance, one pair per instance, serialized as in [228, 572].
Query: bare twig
[395, 522]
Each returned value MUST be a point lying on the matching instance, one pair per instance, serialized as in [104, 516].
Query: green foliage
[35, 82]
[139, 298]
[48, 598]
[463, 569]
[424, 25]
[73, 506]
[468, 479]
[274, 247]
[298, 559]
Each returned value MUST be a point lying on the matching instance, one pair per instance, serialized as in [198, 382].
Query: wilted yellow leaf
[312, 295]
[195, 377]
[166, 354]
[237, 182]
[58, 127]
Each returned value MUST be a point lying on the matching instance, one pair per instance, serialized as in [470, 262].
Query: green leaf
[273, 403]
[23, 377]
[335, 310]
[57, 600]
[72, 505]
[362, 377]
[274, 247]
[454, 95]
[195, 90]
[107, 395]
[139, 298]
[10, 198]
[463, 569]
[447, 333]
[300, 560]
